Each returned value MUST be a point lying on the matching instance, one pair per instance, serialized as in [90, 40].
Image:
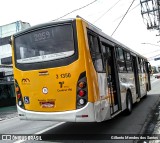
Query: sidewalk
[152, 127]
[155, 124]
[8, 112]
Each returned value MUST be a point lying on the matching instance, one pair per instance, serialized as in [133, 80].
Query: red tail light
[81, 93]
[19, 95]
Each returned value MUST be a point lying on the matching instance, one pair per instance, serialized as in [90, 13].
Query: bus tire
[128, 103]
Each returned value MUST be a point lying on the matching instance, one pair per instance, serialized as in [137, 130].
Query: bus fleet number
[65, 75]
[41, 36]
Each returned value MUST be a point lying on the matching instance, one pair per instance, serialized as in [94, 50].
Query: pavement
[152, 128]
[8, 112]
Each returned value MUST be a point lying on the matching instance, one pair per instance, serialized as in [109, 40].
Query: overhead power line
[76, 10]
[107, 11]
[123, 17]
[128, 12]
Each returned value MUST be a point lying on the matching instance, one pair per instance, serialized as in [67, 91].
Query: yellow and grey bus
[69, 70]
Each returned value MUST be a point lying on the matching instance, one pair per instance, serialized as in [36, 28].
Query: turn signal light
[17, 89]
[82, 84]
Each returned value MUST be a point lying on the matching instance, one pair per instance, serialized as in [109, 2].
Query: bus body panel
[92, 78]
[51, 93]
[127, 82]
[101, 101]
[61, 83]
[143, 81]
[61, 86]
[79, 115]
[55, 78]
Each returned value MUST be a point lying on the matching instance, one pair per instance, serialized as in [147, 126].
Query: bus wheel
[128, 103]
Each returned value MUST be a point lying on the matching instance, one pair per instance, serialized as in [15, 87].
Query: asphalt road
[136, 123]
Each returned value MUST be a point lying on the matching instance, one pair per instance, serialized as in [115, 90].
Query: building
[7, 96]
[5, 33]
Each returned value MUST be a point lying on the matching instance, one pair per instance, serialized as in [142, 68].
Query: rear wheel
[128, 103]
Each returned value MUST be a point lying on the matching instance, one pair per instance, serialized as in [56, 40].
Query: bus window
[127, 56]
[128, 61]
[129, 66]
[98, 63]
[139, 65]
[120, 60]
[95, 52]
[144, 67]
[45, 45]
[120, 54]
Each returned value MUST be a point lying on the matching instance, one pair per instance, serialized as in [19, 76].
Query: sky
[132, 32]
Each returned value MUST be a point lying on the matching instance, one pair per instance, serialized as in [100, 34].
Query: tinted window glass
[128, 56]
[93, 43]
[45, 44]
[120, 54]
[6, 61]
[121, 66]
[129, 66]
[95, 52]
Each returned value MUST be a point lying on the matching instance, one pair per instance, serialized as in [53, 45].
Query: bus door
[112, 77]
[148, 69]
[142, 79]
[136, 76]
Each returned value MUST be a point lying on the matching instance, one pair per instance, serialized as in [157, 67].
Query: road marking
[41, 132]
[47, 129]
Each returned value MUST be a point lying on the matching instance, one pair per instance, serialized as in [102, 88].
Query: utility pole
[150, 10]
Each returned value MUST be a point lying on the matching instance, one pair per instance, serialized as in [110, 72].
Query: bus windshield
[49, 43]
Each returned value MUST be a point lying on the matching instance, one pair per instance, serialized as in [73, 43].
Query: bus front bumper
[85, 114]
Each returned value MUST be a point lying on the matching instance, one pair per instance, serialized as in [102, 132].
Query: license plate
[47, 104]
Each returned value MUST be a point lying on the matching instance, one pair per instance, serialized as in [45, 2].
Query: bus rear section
[50, 73]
